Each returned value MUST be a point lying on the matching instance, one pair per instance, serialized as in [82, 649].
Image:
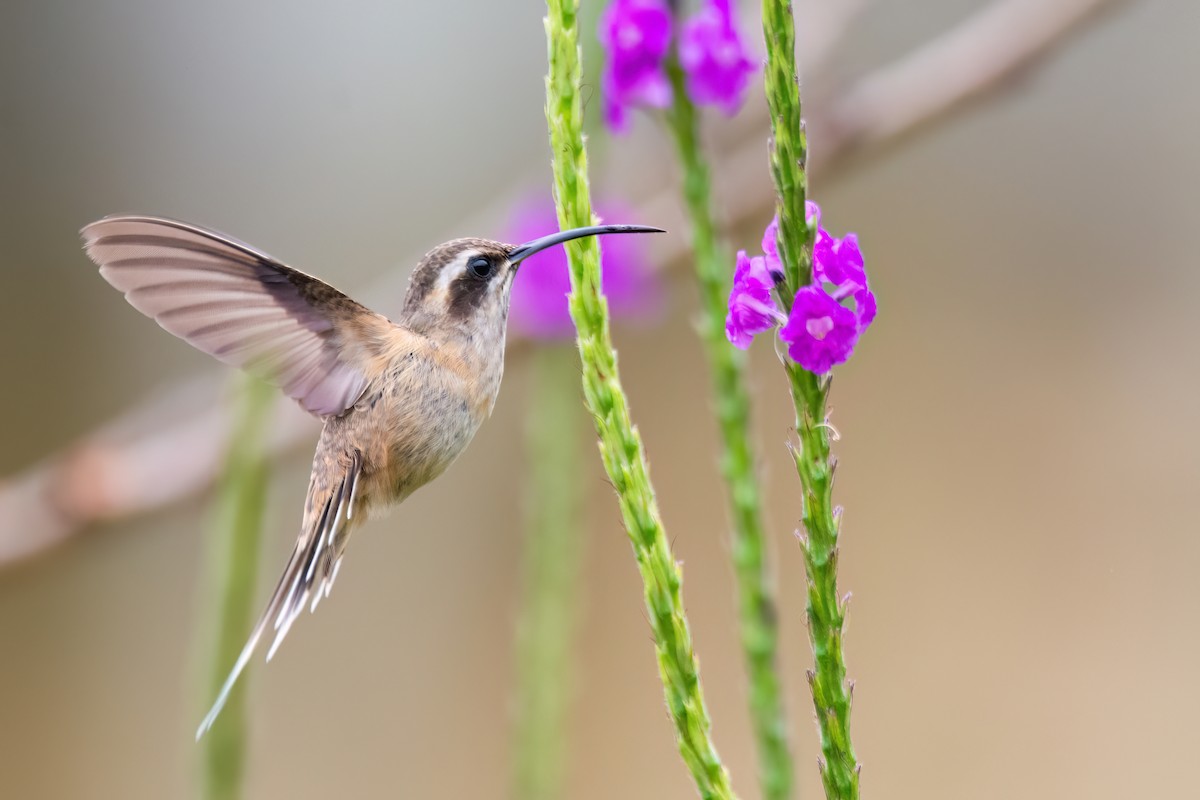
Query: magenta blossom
[820, 331]
[539, 294]
[827, 317]
[752, 309]
[840, 262]
[637, 35]
[864, 308]
[713, 57]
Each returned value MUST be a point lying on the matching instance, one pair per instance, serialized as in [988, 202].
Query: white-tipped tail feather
[311, 570]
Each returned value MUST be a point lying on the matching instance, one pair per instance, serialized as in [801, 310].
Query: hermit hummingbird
[399, 401]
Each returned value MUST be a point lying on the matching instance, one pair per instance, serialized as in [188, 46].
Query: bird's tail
[310, 571]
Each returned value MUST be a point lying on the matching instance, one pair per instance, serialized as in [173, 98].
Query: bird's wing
[237, 304]
[314, 564]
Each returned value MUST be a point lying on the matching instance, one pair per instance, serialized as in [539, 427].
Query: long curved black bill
[524, 251]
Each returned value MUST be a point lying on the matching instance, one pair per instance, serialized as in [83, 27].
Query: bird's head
[465, 282]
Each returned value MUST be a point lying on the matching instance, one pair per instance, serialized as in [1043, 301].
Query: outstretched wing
[235, 303]
[310, 571]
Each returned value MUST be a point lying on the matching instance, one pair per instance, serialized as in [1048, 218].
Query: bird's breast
[421, 414]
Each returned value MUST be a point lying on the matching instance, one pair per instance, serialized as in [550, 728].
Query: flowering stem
[826, 611]
[620, 445]
[552, 548]
[231, 568]
[759, 626]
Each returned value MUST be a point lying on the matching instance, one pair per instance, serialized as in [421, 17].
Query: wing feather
[235, 303]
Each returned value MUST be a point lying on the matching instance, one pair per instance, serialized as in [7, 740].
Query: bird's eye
[480, 266]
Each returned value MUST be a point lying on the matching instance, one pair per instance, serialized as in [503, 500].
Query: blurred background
[1019, 449]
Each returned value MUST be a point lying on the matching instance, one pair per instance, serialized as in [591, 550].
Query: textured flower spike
[636, 35]
[714, 58]
[822, 330]
[538, 308]
[827, 317]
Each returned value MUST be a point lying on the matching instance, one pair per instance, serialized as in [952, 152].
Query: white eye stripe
[455, 268]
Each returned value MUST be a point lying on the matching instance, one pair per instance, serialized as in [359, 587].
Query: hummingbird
[399, 400]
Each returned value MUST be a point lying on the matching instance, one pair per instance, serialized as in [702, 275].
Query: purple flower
[827, 317]
[840, 262]
[865, 308]
[820, 331]
[539, 294]
[752, 309]
[714, 58]
[637, 35]
[770, 245]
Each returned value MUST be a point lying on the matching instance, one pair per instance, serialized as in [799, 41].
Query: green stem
[620, 445]
[552, 550]
[789, 145]
[759, 626]
[231, 568]
[826, 610]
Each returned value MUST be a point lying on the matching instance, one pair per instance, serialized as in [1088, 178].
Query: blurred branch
[155, 454]
[991, 50]
[824, 27]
